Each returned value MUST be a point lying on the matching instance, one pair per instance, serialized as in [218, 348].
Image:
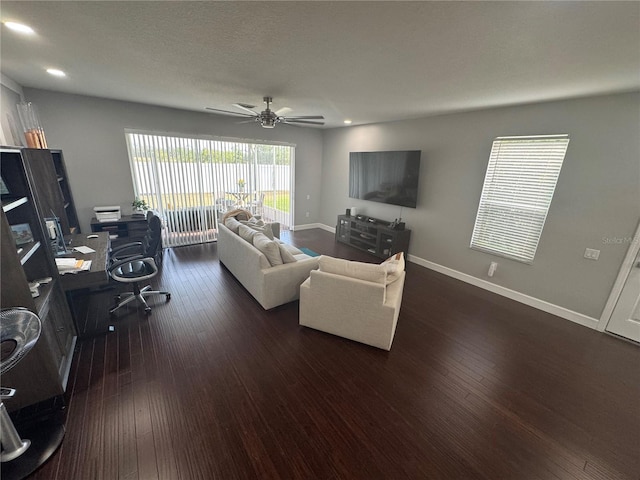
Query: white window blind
[518, 188]
[191, 182]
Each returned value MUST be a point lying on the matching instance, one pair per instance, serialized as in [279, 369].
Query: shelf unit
[47, 179]
[65, 188]
[129, 228]
[373, 237]
[43, 373]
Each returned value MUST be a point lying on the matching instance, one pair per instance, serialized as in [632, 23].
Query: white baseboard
[309, 226]
[561, 312]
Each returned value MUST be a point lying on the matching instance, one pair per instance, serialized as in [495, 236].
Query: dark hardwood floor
[476, 386]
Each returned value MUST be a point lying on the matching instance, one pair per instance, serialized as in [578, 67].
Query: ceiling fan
[268, 118]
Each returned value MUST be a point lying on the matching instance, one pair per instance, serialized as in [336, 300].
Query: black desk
[97, 276]
[81, 283]
[130, 228]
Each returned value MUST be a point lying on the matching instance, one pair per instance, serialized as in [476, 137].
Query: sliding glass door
[191, 182]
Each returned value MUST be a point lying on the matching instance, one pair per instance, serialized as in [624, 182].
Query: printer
[107, 214]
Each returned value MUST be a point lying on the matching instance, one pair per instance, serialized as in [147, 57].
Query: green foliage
[262, 154]
[140, 204]
[279, 201]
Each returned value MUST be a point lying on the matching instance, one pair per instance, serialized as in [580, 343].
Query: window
[518, 188]
[191, 182]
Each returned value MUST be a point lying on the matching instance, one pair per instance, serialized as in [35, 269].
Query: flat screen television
[385, 177]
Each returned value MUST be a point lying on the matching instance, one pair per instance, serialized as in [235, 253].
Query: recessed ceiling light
[55, 72]
[18, 27]
[347, 122]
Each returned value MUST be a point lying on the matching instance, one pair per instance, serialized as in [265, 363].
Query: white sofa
[363, 309]
[270, 286]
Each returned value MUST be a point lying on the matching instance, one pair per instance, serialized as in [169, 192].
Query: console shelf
[374, 237]
[30, 176]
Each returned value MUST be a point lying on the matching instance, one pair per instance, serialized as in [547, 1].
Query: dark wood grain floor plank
[476, 386]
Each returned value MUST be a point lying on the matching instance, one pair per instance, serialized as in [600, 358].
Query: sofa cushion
[291, 249]
[363, 271]
[268, 247]
[259, 227]
[232, 224]
[253, 221]
[247, 233]
[394, 266]
[286, 255]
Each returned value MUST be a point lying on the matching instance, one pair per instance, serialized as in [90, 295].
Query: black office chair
[137, 262]
[150, 246]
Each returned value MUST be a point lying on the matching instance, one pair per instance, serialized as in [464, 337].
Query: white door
[625, 319]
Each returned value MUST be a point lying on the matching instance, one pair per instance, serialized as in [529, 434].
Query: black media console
[372, 235]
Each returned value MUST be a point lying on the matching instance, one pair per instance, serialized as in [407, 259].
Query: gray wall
[90, 132]
[597, 197]
[596, 205]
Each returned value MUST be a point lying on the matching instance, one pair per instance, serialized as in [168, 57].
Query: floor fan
[19, 332]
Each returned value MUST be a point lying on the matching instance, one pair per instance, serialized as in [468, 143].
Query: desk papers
[72, 265]
[83, 249]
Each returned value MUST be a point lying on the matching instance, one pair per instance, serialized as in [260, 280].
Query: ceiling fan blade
[244, 106]
[306, 117]
[247, 121]
[293, 121]
[240, 114]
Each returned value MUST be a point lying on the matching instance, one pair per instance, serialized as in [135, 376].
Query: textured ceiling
[368, 61]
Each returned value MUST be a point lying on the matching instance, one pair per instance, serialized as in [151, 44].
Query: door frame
[625, 270]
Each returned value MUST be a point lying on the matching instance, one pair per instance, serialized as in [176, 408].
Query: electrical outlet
[308, 197]
[592, 254]
[492, 268]
[307, 214]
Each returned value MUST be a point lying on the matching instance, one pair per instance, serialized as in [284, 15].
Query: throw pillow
[232, 224]
[247, 233]
[363, 271]
[255, 221]
[394, 266]
[264, 228]
[290, 248]
[286, 255]
[268, 247]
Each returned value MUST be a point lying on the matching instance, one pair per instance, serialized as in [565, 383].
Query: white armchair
[361, 310]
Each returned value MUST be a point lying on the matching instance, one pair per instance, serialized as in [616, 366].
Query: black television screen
[385, 177]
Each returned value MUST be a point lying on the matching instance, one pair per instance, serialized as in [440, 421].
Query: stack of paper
[72, 265]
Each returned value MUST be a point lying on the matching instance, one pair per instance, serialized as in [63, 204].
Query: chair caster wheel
[117, 298]
[168, 297]
[147, 311]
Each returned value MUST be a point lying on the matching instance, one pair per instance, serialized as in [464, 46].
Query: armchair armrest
[281, 284]
[275, 228]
